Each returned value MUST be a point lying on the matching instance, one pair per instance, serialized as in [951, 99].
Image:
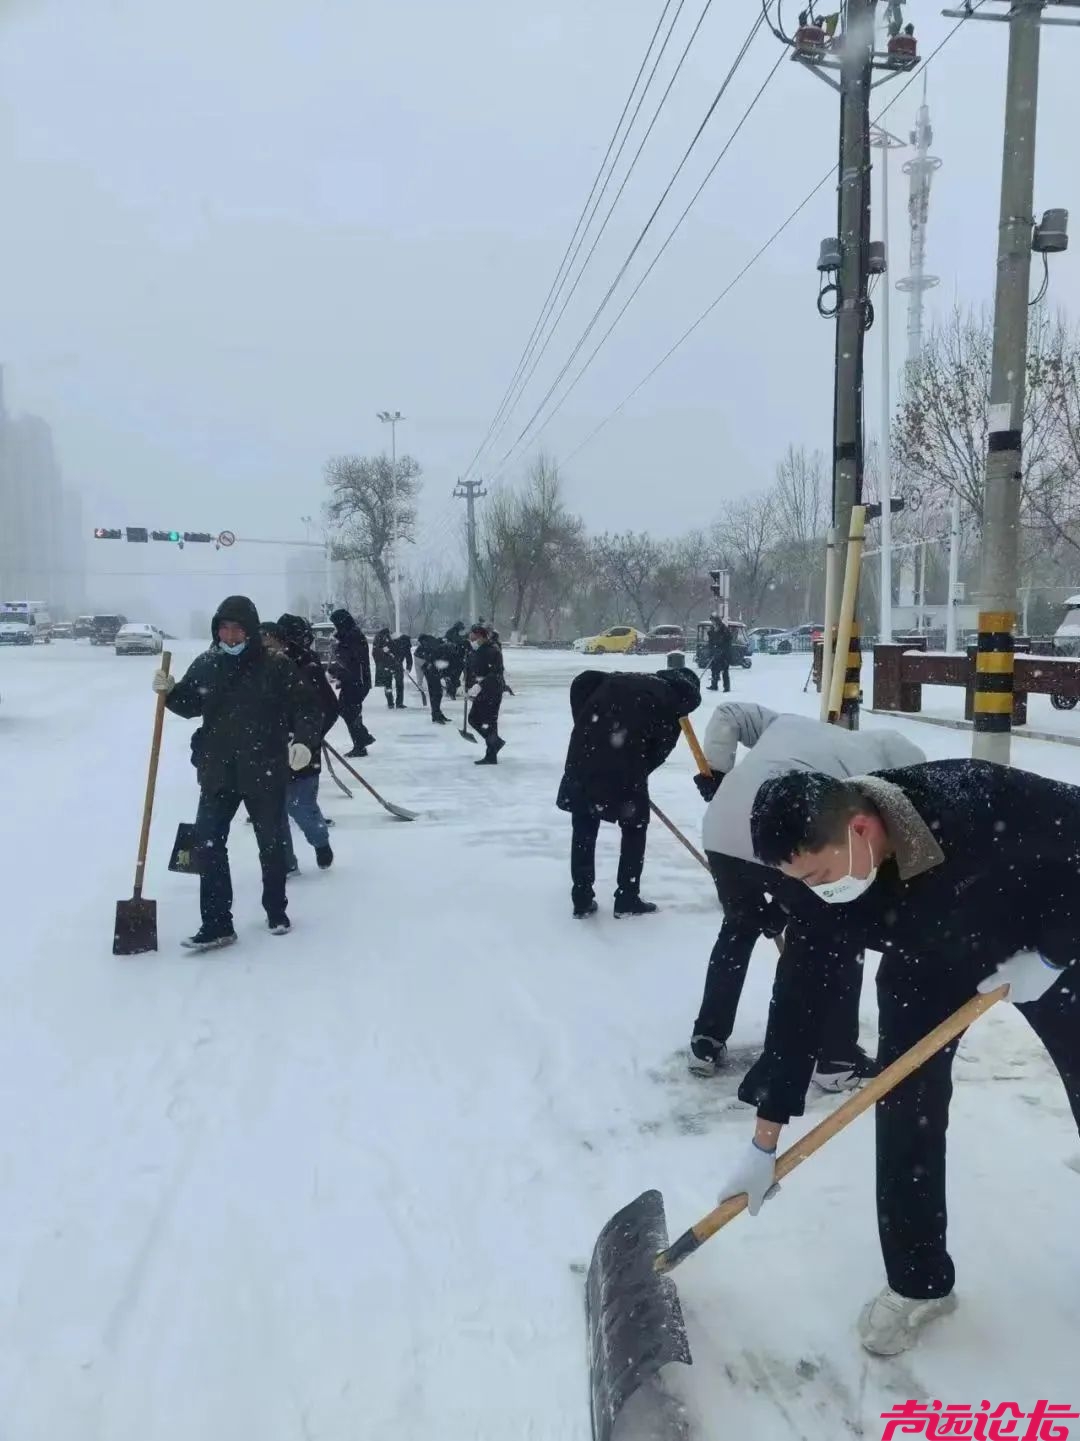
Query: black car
[105, 628]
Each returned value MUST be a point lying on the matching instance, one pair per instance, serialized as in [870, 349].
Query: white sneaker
[890, 1323]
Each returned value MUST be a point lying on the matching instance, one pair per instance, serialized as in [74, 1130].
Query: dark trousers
[484, 717]
[586, 827]
[212, 822]
[395, 687]
[351, 705]
[912, 1121]
[748, 915]
[718, 668]
[434, 688]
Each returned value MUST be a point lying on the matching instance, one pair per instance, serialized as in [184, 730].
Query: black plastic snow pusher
[635, 1320]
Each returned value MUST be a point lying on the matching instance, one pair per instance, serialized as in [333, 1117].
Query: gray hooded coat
[779, 743]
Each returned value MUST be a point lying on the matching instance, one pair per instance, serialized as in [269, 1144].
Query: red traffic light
[101, 533]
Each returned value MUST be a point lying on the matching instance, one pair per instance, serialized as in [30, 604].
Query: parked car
[662, 639]
[740, 644]
[62, 630]
[84, 627]
[616, 640]
[138, 638]
[15, 630]
[105, 629]
[761, 635]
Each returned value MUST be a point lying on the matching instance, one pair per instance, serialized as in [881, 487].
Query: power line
[560, 278]
[599, 234]
[758, 253]
[755, 27]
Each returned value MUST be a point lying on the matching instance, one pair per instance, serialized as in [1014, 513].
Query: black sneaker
[706, 1055]
[845, 1075]
[357, 753]
[400, 705]
[584, 909]
[324, 857]
[280, 926]
[633, 907]
[209, 938]
[491, 759]
[439, 720]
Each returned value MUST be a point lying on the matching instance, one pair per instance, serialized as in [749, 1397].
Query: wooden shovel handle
[881, 1084]
[674, 829]
[151, 781]
[695, 746]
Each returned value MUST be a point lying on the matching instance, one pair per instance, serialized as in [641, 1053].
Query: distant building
[42, 546]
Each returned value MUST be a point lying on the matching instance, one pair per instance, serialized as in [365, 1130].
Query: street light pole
[881, 140]
[391, 418]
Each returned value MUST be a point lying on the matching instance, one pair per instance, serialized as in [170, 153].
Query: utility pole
[391, 418]
[881, 140]
[471, 491]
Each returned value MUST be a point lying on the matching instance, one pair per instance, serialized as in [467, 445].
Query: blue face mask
[236, 649]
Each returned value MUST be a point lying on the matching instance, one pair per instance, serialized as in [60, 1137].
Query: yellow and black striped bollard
[993, 699]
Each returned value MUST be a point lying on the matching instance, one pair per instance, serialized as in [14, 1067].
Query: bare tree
[362, 509]
[633, 562]
[746, 535]
[426, 595]
[801, 508]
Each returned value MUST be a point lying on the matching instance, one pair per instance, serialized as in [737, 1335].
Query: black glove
[708, 785]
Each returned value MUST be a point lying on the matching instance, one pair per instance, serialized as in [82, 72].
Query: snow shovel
[635, 1320]
[674, 829]
[333, 773]
[398, 812]
[135, 928]
[465, 732]
[704, 768]
[419, 687]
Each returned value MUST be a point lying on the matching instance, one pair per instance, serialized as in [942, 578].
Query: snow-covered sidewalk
[335, 1186]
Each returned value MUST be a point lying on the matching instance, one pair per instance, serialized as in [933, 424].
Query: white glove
[299, 756]
[162, 683]
[1028, 976]
[473, 691]
[755, 1175]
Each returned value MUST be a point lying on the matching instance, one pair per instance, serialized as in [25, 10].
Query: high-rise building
[42, 547]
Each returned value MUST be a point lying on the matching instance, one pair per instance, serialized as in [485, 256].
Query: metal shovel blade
[135, 930]
[635, 1321]
[398, 812]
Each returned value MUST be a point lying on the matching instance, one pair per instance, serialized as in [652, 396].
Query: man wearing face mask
[251, 702]
[964, 875]
[484, 681]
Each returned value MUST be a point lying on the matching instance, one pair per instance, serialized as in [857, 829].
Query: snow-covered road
[334, 1186]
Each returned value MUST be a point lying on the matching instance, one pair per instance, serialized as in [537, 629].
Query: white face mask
[475, 644]
[849, 887]
[237, 649]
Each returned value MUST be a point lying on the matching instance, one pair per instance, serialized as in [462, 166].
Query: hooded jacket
[778, 743]
[250, 704]
[299, 650]
[625, 726]
[352, 664]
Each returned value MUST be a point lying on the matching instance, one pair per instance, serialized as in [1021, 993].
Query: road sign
[226, 538]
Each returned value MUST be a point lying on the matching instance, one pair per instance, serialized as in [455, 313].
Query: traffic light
[137, 532]
[173, 535]
[100, 533]
[873, 512]
[198, 535]
[714, 577]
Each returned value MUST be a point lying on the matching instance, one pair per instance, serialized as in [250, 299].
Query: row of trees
[541, 574]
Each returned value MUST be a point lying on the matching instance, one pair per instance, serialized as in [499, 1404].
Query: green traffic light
[174, 535]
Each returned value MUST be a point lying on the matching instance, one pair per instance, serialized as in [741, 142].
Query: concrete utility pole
[993, 699]
[471, 491]
[391, 418]
[881, 140]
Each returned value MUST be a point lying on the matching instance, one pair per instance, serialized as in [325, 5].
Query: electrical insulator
[810, 41]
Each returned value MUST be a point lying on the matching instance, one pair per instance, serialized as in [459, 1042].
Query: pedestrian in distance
[260, 722]
[719, 653]
[351, 668]
[457, 644]
[753, 895]
[625, 726]
[484, 681]
[433, 659]
[963, 875]
[392, 656]
[302, 792]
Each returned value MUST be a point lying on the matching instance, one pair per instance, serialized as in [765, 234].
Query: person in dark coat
[457, 644]
[964, 875]
[719, 648]
[302, 794]
[625, 726]
[352, 671]
[259, 723]
[433, 659]
[496, 640]
[484, 682]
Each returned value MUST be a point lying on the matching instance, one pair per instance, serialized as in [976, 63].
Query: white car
[138, 638]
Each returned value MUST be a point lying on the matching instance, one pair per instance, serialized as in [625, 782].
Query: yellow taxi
[616, 640]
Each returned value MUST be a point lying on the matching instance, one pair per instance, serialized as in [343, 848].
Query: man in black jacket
[352, 671]
[432, 657]
[965, 876]
[392, 656]
[484, 682]
[250, 703]
[302, 793]
[719, 647]
[625, 726]
[457, 650]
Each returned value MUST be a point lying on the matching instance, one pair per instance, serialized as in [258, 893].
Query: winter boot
[439, 719]
[278, 925]
[632, 906]
[324, 857]
[845, 1075]
[584, 909]
[357, 753]
[707, 1056]
[891, 1323]
[491, 759]
[209, 938]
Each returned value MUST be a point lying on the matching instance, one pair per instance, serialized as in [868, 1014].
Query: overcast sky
[235, 229]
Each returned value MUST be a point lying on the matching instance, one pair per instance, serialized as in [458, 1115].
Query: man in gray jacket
[752, 895]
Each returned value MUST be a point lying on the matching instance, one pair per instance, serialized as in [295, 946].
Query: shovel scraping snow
[635, 1321]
